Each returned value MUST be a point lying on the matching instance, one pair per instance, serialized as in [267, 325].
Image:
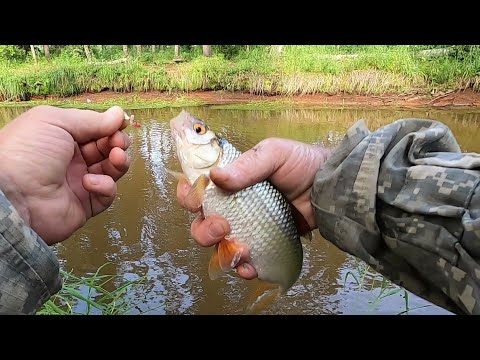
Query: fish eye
[199, 129]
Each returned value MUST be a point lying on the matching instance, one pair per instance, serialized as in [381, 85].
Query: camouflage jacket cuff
[406, 200]
[29, 270]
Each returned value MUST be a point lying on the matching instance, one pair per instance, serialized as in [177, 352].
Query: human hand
[289, 165]
[59, 167]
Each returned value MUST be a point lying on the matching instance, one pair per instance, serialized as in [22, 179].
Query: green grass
[364, 70]
[134, 103]
[90, 293]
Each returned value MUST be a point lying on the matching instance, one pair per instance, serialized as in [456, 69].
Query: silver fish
[261, 219]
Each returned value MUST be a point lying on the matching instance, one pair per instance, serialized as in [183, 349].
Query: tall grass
[356, 69]
[88, 295]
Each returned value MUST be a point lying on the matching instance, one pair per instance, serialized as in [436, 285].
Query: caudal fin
[262, 297]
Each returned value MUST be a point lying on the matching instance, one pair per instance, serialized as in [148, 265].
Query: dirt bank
[466, 98]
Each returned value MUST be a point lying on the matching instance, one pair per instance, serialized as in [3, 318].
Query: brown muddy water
[146, 233]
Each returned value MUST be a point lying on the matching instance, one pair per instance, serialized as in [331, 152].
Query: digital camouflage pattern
[406, 200]
[29, 271]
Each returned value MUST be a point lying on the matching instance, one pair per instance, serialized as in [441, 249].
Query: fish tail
[265, 294]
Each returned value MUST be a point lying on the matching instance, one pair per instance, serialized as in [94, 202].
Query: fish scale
[260, 218]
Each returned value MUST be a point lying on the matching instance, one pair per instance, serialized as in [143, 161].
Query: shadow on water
[145, 232]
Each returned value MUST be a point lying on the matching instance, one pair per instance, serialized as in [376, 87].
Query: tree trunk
[87, 52]
[207, 50]
[100, 47]
[248, 47]
[279, 48]
[139, 49]
[153, 48]
[46, 49]
[125, 50]
[435, 52]
[177, 50]
[34, 55]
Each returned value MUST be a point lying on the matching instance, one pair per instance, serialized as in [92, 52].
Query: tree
[34, 55]
[46, 50]
[177, 50]
[87, 52]
[207, 50]
[153, 48]
[125, 50]
[139, 49]
[279, 48]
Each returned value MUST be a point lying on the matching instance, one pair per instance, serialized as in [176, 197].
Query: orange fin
[263, 296]
[197, 192]
[225, 258]
[177, 175]
[214, 269]
[301, 223]
[229, 253]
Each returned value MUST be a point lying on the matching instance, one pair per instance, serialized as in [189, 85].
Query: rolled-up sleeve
[406, 200]
[29, 270]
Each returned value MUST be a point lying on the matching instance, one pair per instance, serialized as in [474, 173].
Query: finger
[183, 189]
[83, 125]
[251, 167]
[246, 271]
[209, 231]
[119, 139]
[115, 166]
[103, 190]
[96, 151]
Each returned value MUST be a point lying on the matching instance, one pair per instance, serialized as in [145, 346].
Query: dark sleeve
[29, 271]
[406, 200]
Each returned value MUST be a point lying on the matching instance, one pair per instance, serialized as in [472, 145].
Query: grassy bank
[128, 103]
[89, 296]
[361, 70]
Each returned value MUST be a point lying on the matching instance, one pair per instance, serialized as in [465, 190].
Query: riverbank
[231, 100]
[373, 73]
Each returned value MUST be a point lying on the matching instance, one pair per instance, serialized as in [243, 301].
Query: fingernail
[215, 230]
[93, 179]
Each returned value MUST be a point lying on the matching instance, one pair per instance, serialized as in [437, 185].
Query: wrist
[16, 198]
[322, 153]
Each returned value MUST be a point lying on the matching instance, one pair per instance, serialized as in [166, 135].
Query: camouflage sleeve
[406, 200]
[29, 271]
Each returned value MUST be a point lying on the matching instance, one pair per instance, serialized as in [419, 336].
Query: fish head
[198, 147]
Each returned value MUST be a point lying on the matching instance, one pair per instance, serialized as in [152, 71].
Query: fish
[262, 221]
[131, 120]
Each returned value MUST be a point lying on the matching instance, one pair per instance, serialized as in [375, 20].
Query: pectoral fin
[177, 175]
[197, 192]
[226, 256]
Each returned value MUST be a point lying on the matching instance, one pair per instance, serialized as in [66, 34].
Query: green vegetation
[258, 70]
[366, 278]
[105, 104]
[89, 294]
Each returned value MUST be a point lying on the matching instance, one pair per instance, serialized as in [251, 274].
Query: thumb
[85, 125]
[251, 167]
